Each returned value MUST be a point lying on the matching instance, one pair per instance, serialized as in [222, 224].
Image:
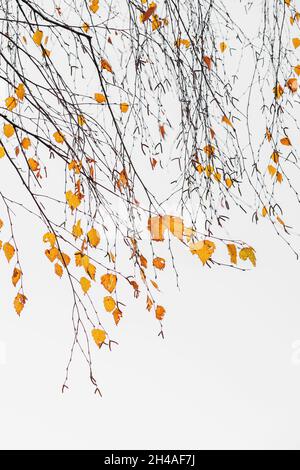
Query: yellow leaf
[209, 150]
[296, 42]
[232, 251]
[248, 253]
[33, 164]
[52, 254]
[37, 37]
[223, 46]
[19, 303]
[20, 91]
[100, 98]
[228, 182]
[85, 284]
[91, 271]
[26, 143]
[85, 27]
[1, 224]
[158, 224]
[124, 107]
[278, 91]
[94, 6]
[264, 211]
[2, 151]
[8, 130]
[160, 312]
[16, 276]
[73, 200]
[49, 237]
[117, 314]
[275, 156]
[11, 103]
[77, 230]
[99, 336]
[93, 237]
[109, 282]
[58, 270]
[59, 137]
[64, 258]
[297, 70]
[183, 42]
[272, 170]
[9, 251]
[159, 263]
[109, 303]
[81, 120]
[204, 249]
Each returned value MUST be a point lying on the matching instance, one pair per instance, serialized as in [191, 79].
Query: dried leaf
[109, 282]
[204, 249]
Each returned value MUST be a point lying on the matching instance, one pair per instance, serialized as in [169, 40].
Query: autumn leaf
[8, 130]
[160, 312]
[38, 37]
[85, 284]
[64, 258]
[207, 60]
[124, 107]
[52, 254]
[145, 16]
[272, 170]
[2, 152]
[73, 200]
[33, 164]
[85, 27]
[183, 42]
[17, 273]
[20, 91]
[58, 270]
[232, 251]
[9, 251]
[105, 65]
[223, 46]
[59, 137]
[117, 315]
[99, 336]
[19, 303]
[109, 303]
[296, 42]
[81, 120]
[297, 70]
[77, 230]
[278, 91]
[91, 271]
[248, 253]
[26, 143]
[264, 211]
[227, 121]
[204, 249]
[11, 103]
[49, 237]
[292, 84]
[100, 98]
[93, 237]
[285, 141]
[109, 282]
[94, 6]
[159, 263]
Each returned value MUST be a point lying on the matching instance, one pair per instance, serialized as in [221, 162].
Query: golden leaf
[109, 282]
[11, 103]
[59, 137]
[26, 143]
[292, 84]
[58, 270]
[109, 303]
[100, 98]
[159, 263]
[278, 91]
[160, 312]
[85, 284]
[143, 261]
[285, 141]
[223, 46]
[124, 107]
[17, 273]
[64, 258]
[49, 237]
[99, 336]
[248, 253]
[227, 121]
[52, 254]
[20, 91]
[2, 151]
[94, 6]
[37, 37]
[264, 211]
[72, 199]
[77, 230]
[117, 314]
[19, 303]
[85, 27]
[297, 70]
[296, 42]
[232, 251]
[33, 164]
[149, 303]
[81, 120]
[91, 271]
[93, 237]
[8, 130]
[204, 249]
[272, 170]
[9, 251]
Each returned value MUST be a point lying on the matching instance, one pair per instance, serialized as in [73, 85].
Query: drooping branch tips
[132, 130]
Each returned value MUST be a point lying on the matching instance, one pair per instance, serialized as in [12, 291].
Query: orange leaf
[19, 303]
[109, 303]
[9, 251]
[99, 336]
[160, 312]
[159, 263]
[109, 282]
[204, 249]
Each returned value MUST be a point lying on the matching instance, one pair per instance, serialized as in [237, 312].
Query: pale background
[226, 376]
